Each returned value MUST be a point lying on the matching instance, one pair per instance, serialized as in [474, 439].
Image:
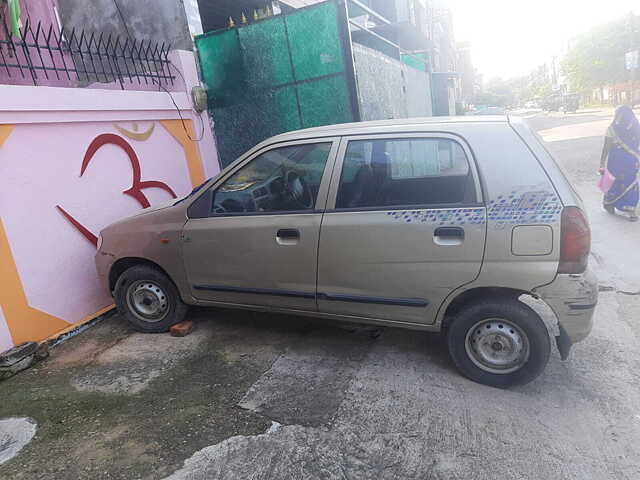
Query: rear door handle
[288, 236]
[449, 232]
[448, 236]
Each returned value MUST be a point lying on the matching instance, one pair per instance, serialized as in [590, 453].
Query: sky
[511, 38]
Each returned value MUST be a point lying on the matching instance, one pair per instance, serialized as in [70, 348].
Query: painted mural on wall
[61, 184]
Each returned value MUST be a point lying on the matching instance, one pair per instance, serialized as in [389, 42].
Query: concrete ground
[268, 396]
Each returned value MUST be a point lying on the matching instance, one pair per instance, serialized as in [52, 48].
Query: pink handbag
[606, 181]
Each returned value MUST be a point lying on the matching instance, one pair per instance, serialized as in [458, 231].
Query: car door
[405, 225]
[252, 238]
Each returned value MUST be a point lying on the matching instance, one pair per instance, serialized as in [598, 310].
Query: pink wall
[45, 133]
[39, 10]
[43, 172]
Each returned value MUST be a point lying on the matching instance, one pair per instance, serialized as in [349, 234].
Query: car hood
[146, 211]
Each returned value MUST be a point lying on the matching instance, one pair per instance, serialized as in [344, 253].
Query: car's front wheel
[148, 299]
[501, 343]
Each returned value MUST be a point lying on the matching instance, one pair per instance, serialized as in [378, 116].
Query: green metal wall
[279, 74]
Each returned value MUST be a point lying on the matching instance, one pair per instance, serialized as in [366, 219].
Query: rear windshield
[539, 148]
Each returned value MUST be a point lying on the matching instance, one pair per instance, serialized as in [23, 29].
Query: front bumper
[573, 298]
[103, 262]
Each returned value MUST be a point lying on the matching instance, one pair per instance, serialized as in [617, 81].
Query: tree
[596, 58]
[516, 91]
[497, 92]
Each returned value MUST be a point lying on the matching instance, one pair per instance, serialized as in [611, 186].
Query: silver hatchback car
[439, 224]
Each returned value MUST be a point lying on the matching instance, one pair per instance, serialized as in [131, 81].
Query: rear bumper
[573, 298]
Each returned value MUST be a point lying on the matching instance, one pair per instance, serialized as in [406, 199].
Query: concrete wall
[157, 20]
[387, 88]
[193, 16]
[57, 193]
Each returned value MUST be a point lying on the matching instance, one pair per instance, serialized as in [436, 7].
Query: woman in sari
[621, 156]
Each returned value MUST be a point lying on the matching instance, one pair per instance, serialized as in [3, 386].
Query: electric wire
[160, 87]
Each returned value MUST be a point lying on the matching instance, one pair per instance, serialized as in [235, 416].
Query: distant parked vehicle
[552, 103]
[427, 224]
[571, 102]
[489, 110]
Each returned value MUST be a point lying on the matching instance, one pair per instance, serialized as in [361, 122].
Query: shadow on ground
[112, 403]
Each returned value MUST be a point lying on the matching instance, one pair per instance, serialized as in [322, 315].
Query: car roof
[394, 125]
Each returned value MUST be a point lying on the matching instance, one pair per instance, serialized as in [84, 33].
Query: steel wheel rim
[498, 346]
[147, 301]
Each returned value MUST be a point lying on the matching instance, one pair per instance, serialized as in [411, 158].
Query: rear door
[405, 225]
[252, 238]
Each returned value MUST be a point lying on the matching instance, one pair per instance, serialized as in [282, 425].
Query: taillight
[575, 241]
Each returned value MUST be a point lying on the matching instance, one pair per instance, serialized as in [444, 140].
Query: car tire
[499, 343]
[148, 299]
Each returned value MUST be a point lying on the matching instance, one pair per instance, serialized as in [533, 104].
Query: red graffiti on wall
[138, 185]
[86, 233]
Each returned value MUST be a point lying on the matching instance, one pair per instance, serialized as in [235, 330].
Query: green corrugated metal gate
[279, 74]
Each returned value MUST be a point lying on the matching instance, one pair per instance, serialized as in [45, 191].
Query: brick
[182, 329]
[42, 351]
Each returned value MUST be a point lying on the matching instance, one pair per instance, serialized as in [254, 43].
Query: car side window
[404, 172]
[280, 180]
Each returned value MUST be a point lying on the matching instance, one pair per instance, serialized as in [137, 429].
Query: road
[272, 397]
[393, 407]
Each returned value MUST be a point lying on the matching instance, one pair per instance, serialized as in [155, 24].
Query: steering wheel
[229, 205]
[297, 190]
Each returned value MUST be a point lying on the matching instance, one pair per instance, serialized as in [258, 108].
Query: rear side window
[405, 172]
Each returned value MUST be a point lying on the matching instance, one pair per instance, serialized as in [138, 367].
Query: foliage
[596, 58]
[516, 91]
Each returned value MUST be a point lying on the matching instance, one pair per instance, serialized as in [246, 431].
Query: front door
[252, 238]
[404, 227]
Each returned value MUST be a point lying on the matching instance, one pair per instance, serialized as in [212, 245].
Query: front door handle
[448, 236]
[288, 233]
[288, 236]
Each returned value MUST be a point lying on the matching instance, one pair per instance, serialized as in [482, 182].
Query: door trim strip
[402, 302]
[591, 306]
[255, 291]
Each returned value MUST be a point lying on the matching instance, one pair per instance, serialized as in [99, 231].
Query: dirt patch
[112, 403]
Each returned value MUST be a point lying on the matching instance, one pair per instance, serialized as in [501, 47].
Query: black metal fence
[45, 53]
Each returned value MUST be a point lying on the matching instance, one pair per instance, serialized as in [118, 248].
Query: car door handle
[448, 236]
[288, 233]
[449, 232]
[288, 236]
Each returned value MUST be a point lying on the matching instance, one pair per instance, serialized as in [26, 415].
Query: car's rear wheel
[501, 343]
[148, 299]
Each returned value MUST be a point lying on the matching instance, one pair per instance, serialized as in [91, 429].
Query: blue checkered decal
[530, 207]
[509, 209]
[456, 216]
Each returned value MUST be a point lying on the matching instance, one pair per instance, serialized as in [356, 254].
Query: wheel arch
[123, 264]
[457, 302]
